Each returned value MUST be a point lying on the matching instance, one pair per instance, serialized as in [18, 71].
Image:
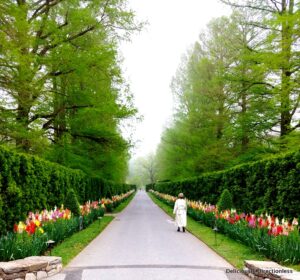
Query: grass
[73, 245]
[233, 251]
[123, 205]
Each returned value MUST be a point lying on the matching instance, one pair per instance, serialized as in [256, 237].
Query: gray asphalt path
[142, 243]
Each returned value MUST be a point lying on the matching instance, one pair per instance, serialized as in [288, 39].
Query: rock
[33, 265]
[11, 267]
[251, 275]
[22, 265]
[271, 271]
[30, 276]
[52, 272]
[246, 270]
[41, 275]
[263, 269]
[31, 268]
[13, 276]
[59, 268]
[51, 260]
[50, 267]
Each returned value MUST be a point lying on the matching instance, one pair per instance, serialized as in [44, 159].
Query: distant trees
[149, 167]
[61, 89]
[236, 90]
[143, 170]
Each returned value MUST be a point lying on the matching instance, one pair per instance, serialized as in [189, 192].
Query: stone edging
[31, 268]
[267, 270]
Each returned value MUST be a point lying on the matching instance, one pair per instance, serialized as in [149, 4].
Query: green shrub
[149, 187]
[109, 207]
[225, 201]
[71, 202]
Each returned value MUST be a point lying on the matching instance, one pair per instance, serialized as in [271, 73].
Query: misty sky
[153, 56]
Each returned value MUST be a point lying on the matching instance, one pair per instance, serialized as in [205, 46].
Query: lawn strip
[73, 245]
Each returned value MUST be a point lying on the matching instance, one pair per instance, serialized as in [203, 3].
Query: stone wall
[267, 270]
[31, 268]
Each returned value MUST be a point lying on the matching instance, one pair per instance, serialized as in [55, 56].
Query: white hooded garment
[180, 212]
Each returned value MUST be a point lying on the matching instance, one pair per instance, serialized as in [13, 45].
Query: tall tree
[195, 143]
[224, 102]
[277, 22]
[248, 94]
[60, 78]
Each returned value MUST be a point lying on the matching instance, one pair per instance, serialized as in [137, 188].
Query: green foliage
[274, 39]
[270, 185]
[149, 187]
[109, 207]
[228, 110]
[225, 201]
[60, 69]
[71, 202]
[28, 183]
[15, 246]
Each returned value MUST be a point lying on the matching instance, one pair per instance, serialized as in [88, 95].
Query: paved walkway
[142, 243]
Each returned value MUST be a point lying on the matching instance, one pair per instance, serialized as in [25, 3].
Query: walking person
[180, 212]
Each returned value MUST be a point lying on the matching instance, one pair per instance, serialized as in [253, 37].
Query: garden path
[142, 243]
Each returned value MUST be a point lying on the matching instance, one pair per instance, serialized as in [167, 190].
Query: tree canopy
[236, 90]
[62, 91]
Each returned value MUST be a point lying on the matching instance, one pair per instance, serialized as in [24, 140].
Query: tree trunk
[59, 103]
[22, 120]
[245, 130]
[220, 112]
[286, 45]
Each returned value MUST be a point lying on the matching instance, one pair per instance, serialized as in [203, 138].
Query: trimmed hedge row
[28, 183]
[271, 185]
[150, 187]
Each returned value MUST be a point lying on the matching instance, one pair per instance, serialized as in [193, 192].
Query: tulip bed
[115, 201]
[279, 241]
[30, 238]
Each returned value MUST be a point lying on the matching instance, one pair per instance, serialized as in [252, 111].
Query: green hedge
[149, 187]
[28, 183]
[271, 185]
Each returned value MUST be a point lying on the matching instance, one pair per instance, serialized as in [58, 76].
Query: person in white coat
[180, 212]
